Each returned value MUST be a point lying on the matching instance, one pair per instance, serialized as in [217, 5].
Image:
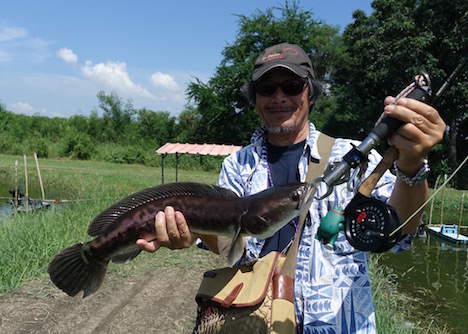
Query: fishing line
[428, 200]
[445, 86]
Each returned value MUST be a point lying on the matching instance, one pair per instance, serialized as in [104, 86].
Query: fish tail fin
[73, 271]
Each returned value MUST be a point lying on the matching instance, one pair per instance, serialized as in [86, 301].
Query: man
[332, 288]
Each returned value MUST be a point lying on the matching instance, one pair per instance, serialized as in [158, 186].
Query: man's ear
[311, 102]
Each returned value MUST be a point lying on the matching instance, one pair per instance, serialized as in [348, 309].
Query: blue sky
[55, 56]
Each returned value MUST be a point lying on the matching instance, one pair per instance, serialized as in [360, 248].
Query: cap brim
[294, 69]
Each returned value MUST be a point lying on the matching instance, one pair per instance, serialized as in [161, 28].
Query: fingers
[148, 246]
[167, 231]
[423, 128]
[172, 231]
[423, 116]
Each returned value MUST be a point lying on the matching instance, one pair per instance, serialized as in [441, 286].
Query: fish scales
[203, 215]
[207, 210]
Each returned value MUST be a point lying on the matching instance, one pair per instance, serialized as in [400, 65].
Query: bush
[39, 146]
[78, 146]
[126, 155]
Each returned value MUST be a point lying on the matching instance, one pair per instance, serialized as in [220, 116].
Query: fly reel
[369, 224]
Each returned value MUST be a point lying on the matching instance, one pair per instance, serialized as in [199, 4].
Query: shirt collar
[311, 144]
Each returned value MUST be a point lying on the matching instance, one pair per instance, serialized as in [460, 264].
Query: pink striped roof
[203, 149]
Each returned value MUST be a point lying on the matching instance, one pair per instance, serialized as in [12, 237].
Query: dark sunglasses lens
[265, 88]
[293, 87]
[268, 88]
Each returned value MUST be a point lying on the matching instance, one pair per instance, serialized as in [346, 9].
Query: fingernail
[389, 108]
[402, 101]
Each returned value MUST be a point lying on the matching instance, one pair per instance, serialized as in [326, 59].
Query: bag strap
[324, 144]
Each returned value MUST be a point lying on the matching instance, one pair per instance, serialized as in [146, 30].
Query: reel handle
[371, 181]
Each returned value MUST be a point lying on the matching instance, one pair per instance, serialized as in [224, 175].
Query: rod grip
[389, 125]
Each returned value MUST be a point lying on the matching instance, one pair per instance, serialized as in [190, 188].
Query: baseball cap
[289, 56]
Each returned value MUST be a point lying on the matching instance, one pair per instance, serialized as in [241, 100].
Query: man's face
[283, 112]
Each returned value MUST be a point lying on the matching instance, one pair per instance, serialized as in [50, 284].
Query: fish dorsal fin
[142, 197]
[237, 248]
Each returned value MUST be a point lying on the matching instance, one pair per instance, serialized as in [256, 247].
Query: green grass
[27, 242]
[452, 201]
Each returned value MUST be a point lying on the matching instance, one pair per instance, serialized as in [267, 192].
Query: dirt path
[157, 300]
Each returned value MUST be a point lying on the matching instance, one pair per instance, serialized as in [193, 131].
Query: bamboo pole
[40, 178]
[461, 214]
[16, 187]
[442, 202]
[433, 198]
[26, 183]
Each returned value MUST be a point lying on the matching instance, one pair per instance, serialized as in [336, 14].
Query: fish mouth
[309, 192]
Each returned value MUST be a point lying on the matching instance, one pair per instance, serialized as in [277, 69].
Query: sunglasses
[290, 87]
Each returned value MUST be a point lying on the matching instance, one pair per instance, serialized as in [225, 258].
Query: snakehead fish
[207, 209]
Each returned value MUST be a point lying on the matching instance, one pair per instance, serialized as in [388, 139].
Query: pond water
[434, 272]
[7, 202]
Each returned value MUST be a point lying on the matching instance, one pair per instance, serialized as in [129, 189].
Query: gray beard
[281, 129]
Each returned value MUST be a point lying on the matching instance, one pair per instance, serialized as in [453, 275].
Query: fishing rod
[449, 82]
[370, 224]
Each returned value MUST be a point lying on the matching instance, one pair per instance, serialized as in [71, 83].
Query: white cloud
[8, 34]
[67, 55]
[25, 108]
[165, 81]
[11, 33]
[40, 50]
[16, 41]
[114, 76]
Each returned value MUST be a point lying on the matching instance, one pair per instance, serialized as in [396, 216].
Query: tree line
[375, 56]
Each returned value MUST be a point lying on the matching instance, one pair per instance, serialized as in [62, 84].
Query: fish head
[273, 208]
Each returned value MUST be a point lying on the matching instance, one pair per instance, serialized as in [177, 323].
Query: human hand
[171, 231]
[423, 128]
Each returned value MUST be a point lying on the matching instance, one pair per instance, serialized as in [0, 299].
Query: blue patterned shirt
[332, 287]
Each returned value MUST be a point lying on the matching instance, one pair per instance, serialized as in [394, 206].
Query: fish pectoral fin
[237, 248]
[125, 255]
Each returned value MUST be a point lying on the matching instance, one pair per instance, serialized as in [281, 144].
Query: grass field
[85, 188]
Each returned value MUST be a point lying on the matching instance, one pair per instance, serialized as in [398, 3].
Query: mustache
[280, 108]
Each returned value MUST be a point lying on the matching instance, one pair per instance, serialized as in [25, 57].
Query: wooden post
[461, 213]
[176, 166]
[442, 202]
[433, 198]
[40, 178]
[162, 167]
[26, 183]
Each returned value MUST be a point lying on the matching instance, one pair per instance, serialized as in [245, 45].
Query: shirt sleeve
[229, 177]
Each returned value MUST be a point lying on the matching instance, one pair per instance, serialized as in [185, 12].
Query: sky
[56, 55]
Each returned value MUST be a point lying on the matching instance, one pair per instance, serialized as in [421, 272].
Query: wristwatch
[420, 176]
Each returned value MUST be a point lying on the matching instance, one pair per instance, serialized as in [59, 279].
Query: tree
[117, 115]
[226, 115]
[386, 49]
[154, 128]
[188, 123]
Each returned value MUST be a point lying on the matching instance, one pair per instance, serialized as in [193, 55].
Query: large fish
[207, 209]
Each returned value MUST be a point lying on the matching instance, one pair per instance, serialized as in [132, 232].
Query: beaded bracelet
[420, 176]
